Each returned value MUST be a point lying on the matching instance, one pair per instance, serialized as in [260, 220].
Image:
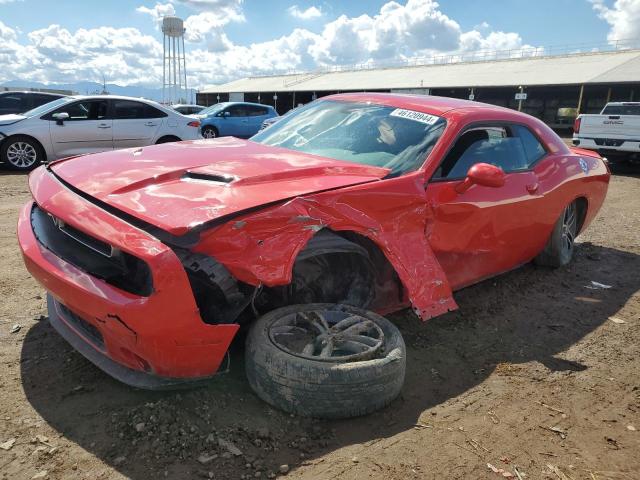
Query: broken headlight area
[91, 255]
[219, 296]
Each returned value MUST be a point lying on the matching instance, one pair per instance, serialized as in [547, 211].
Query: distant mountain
[91, 88]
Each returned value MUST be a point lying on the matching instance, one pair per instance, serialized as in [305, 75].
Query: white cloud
[158, 11]
[623, 18]
[308, 14]
[126, 56]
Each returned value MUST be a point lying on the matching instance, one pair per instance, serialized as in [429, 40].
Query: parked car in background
[614, 133]
[186, 109]
[20, 102]
[268, 122]
[237, 119]
[153, 262]
[77, 125]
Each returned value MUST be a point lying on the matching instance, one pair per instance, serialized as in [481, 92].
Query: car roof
[423, 103]
[52, 94]
[246, 103]
[187, 105]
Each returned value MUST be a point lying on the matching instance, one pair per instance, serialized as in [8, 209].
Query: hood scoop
[209, 177]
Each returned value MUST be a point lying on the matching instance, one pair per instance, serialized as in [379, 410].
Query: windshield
[363, 133]
[213, 108]
[46, 107]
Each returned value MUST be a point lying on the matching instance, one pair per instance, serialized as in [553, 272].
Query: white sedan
[88, 124]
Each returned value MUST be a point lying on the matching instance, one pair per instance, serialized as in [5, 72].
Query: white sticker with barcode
[413, 115]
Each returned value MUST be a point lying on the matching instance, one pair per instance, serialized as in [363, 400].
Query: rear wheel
[22, 153]
[209, 132]
[559, 249]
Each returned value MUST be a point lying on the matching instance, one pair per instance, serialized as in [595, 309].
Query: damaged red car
[153, 258]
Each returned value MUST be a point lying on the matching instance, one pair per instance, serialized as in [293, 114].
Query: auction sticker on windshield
[413, 115]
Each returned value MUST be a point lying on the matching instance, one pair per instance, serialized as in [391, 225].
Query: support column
[580, 99]
[608, 96]
[520, 101]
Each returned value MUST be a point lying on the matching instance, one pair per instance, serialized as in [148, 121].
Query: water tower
[174, 66]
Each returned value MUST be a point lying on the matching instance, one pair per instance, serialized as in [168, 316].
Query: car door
[484, 230]
[135, 124]
[87, 130]
[256, 115]
[235, 121]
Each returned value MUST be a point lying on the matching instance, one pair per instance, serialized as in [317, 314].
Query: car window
[513, 148]
[13, 102]
[84, 110]
[621, 110]
[533, 149]
[128, 109]
[253, 111]
[38, 100]
[237, 111]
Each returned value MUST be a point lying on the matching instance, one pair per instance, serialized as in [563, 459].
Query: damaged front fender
[261, 248]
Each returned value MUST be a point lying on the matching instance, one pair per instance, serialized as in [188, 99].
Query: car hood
[11, 118]
[181, 186]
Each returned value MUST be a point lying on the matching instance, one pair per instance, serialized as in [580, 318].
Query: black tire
[324, 388]
[22, 153]
[167, 139]
[559, 248]
[209, 132]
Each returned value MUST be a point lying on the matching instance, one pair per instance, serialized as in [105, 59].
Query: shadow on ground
[529, 315]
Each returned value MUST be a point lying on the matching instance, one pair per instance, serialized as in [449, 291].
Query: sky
[82, 40]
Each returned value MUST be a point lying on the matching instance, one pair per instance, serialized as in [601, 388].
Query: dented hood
[180, 186]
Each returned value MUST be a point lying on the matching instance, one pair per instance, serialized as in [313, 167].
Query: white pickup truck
[615, 133]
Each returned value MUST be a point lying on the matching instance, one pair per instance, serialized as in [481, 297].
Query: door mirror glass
[60, 117]
[482, 174]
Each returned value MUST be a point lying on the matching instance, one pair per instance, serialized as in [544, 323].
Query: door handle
[533, 187]
[150, 124]
[104, 125]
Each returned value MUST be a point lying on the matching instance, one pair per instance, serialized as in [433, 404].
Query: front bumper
[160, 335]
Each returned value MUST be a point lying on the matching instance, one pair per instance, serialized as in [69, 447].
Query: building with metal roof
[554, 88]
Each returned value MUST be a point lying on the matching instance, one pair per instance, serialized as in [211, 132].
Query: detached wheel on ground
[559, 249]
[325, 360]
[21, 153]
[209, 132]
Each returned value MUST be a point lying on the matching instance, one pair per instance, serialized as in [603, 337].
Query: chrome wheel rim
[569, 227]
[21, 154]
[327, 336]
[209, 133]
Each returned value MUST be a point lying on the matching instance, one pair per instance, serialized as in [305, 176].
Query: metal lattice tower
[174, 66]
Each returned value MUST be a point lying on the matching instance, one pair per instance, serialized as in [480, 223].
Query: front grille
[608, 142]
[91, 255]
[84, 327]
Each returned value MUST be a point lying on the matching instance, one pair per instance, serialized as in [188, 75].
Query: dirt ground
[536, 374]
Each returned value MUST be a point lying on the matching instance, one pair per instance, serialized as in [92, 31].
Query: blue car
[238, 119]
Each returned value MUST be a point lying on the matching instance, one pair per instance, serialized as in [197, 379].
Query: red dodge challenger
[155, 257]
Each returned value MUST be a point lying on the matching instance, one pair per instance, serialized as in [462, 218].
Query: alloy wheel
[569, 227]
[329, 336]
[209, 133]
[22, 155]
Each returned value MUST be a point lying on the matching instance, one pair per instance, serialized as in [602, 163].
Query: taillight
[576, 125]
[195, 124]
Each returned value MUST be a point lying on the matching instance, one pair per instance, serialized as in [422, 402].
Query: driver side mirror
[225, 114]
[60, 117]
[482, 174]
